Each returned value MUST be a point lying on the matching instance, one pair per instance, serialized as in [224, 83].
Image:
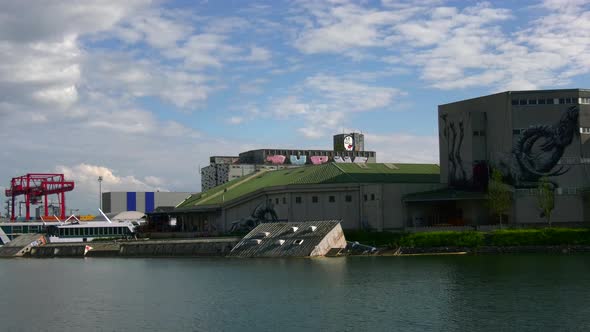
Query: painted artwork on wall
[276, 159]
[318, 160]
[453, 133]
[538, 149]
[348, 143]
[301, 160]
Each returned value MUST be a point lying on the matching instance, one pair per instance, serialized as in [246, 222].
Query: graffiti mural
[318, 160]
[301, 160]
[263, 213]
[538, 149]
[454, 133]
[276, 159]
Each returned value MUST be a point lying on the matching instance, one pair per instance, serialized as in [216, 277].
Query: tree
[499, 195]
[546, 198]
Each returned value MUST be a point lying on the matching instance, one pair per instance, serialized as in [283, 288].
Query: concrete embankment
[140, 248]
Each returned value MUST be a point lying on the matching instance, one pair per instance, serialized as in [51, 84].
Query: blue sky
[143, 92]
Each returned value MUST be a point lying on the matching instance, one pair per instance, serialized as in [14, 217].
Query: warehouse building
[362, 196]
[142, 201]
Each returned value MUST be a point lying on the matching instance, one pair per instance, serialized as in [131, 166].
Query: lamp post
[100, 192]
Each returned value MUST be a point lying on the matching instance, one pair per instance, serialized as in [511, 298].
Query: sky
[142, 92]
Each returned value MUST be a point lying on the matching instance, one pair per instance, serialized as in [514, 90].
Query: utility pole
[100, 192]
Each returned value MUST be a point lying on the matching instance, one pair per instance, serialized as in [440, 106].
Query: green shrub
[376, 239]
[443, 239]
[544, 236]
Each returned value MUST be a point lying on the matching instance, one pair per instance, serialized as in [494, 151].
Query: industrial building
[362, 196]
[348, 148]
[142, 201]
[524, 134]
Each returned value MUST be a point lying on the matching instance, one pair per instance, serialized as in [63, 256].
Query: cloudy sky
[143, 92]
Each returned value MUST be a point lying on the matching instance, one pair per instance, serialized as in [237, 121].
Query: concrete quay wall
[166, 248]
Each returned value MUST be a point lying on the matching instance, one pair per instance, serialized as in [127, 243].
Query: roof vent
[255, 241]
[313, 228]
[294, 229]
[263, 234]
[298, 242]
[280, 242]
[391, 166]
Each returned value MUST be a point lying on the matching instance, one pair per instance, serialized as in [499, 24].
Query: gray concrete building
[526, 135]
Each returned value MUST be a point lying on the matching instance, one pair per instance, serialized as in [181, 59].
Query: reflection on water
[437, 293]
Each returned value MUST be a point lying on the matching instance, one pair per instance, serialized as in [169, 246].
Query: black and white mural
[537, 151]
[453, 133]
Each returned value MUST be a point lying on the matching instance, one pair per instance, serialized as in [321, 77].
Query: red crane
[37, 185]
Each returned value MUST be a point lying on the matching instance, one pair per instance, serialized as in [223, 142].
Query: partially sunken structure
[295, 239]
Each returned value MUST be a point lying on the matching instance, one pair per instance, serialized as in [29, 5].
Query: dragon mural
[539, 148]
[263, 213]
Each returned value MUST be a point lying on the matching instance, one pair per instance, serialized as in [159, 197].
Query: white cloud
[258, 54]
[351, 96]
[234, 120]
[344, 25]
[402, 147]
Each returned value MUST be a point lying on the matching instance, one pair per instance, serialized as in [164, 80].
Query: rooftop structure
[331, 173]
[348, 148]
[298, 239]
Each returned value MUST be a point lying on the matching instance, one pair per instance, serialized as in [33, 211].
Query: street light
[100, 192]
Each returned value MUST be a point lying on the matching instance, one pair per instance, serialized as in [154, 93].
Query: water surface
[424, 293]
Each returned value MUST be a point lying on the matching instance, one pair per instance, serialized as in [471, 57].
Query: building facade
[147, 201]
[527, 135]
[348, 148]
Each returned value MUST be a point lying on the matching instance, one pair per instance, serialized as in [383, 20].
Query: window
[541, 101]
[284, 200]
[365, 197]
[532, 101]
[475, 133]
[584, 130]
[517, 131]
[332, 199]
[314, 199]
[568, 100]
[514, 101]
[277, 201]
[522, 102]
[584, 100]
[562, 100]
[348, 198]
[372, 197]
[298, 200]
[550, 101]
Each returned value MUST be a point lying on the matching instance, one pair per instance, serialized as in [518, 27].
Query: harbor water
[419, 293]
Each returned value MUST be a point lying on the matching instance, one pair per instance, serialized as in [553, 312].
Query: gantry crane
[35, 186]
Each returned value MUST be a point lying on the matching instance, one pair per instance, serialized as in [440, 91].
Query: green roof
[316, 174]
